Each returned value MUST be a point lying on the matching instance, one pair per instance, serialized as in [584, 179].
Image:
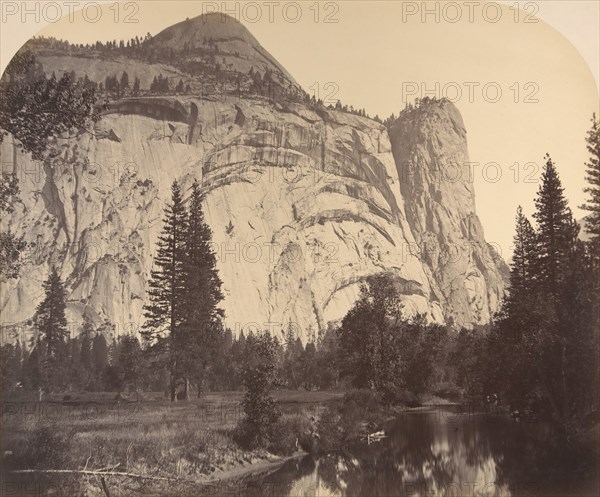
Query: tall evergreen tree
[588, 281]
[124, 84]
[556, 233]
[51, 323]
[8, 378]
[85, 354]
[99, 360]
[524, 256]
[34, 369]
[76, 374]
[556, 242]
[130, 361]
[515, 358]
[545, 337]
[18, 364]
[165, 312]
[202, 295]
[592, 220]
[309, 364]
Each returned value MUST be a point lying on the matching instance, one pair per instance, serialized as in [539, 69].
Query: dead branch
[99, 473]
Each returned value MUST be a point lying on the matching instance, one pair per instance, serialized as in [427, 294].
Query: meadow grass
[189, 441]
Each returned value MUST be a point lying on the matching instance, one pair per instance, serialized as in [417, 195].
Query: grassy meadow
[176, 446]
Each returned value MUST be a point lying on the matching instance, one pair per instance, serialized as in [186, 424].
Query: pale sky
[547, 71]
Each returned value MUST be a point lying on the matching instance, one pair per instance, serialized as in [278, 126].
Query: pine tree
[74, 368]
[290, 335]
[136, 86]
[202, 294]
[8, 377]
[556, 331]
[18, 362]
[309, 365]
[99, 360]
[589, 282]
[85, 353]
[328, 356]
[52, 326]
[292, 351]
[165, 312]
[516, 338]
[523, 260]
[522, 268]
[124, 84]
[34, 367]
[592, 220]
[130, 361]
[579, 336]
[557, 231]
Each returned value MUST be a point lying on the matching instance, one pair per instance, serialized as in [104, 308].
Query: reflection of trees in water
[423, 453]
[440, 454]
[531, 459]
[437, 453]
[293, 473]
[329, 474]
[434, 452]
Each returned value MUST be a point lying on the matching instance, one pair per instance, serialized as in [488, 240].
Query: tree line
[204, 59]
[97, 360]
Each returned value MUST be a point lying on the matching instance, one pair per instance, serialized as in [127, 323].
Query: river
[442, 453]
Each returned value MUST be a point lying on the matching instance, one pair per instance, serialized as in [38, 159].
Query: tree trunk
[556, 410]
[186, 389]
[173, 388]
[563, 372]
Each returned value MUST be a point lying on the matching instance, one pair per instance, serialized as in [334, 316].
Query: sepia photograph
[300, 248]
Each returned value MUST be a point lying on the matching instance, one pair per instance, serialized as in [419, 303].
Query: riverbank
[147, 443]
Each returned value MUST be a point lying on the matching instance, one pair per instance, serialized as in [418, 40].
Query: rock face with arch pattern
[304, 205]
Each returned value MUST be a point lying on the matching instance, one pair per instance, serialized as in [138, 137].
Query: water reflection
[440, 453]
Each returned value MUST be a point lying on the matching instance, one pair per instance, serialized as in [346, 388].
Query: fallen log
[99, 473]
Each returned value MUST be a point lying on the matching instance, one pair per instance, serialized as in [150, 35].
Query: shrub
[447, 390]
[287, 434]
[341, 427]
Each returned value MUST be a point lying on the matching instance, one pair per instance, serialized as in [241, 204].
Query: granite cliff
[305, 201]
